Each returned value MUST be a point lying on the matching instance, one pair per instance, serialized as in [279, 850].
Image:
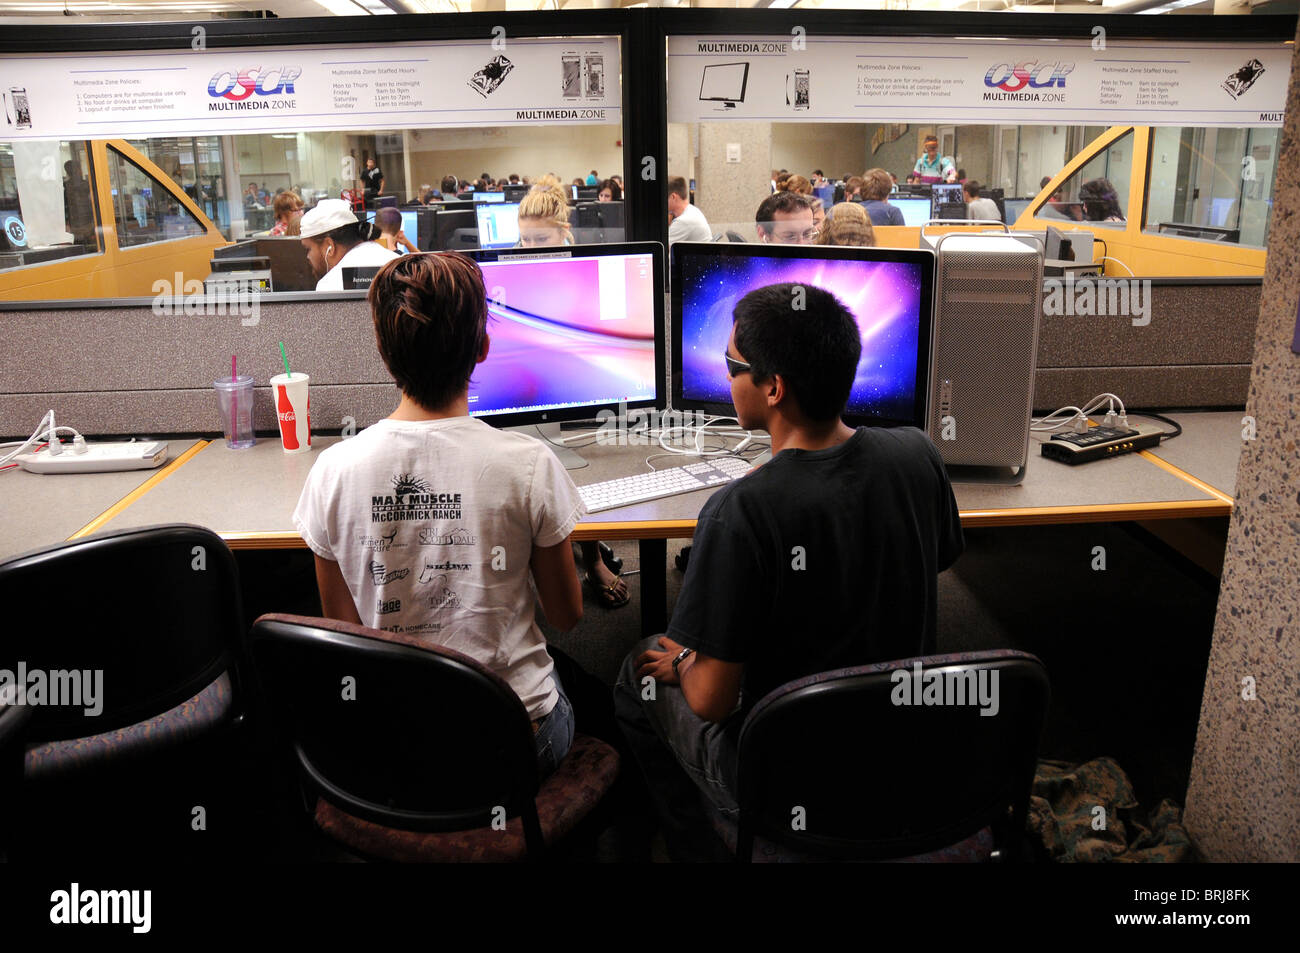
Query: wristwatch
[681, 656]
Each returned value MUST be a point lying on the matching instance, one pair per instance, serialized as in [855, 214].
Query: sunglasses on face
[734, 367]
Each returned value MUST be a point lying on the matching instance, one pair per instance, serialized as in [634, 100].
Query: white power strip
[98, 458]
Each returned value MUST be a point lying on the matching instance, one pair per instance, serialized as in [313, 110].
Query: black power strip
[1097, 443]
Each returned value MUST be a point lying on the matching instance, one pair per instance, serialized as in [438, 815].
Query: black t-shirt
[821, 560]
[372, 178]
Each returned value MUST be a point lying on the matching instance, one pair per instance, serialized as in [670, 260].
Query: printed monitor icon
[725, 83]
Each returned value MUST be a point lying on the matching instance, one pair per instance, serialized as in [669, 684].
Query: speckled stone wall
[729, 193]
[1243, 803]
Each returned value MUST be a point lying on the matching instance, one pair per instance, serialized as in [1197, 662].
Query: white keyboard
[660, 483]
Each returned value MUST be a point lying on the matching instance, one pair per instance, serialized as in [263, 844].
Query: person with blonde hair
[848, 224]
[876, 186]
[544, 221]
[544, 217]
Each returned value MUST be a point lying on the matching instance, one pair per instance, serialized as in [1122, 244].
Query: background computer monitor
[888, 290]
[916, 212]
[574, 330]
[448, 220]
[410, 225]
[948, 193]
[498, 225]
[1014, 208]
[513, 193]
[489, 196]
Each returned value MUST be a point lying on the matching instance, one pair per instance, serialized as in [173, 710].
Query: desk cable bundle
[51, 456]
[1085, 442]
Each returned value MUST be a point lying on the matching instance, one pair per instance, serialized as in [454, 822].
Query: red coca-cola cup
[293, 410]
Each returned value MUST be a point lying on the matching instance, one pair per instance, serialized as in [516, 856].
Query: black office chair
[13, 723]
[831, 768]
[156, 612]
[410, 752]
[733, 236]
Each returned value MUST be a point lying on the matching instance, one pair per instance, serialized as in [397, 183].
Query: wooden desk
[248, 496]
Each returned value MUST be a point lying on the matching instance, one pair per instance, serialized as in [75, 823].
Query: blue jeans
[683, 758]
[554, 733]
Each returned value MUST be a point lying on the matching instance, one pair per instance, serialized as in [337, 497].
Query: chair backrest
[734, 236]
[405, 735]
[143, 618]
[893, 759]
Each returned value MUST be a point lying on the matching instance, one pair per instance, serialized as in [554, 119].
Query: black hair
[349, 236]
[1100, 200]
[779, 202]
[972, 188]
[815, 349]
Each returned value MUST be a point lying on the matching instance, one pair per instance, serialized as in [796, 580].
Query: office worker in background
[509, 491]
[786, 218]
[847, 224]
[931, 166]
[391, 235]
[876, 186]
[372, 180]
[592, 178]
[977, 207]
[853, 188]
[686, 223]
[544, 222]
[288, 214]
[335, 240]
[610, 191]
[867, 504]
[448, 186]
[801, 186]
[1100, 201]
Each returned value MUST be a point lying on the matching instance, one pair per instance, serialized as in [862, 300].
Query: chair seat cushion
[565, 798]
[189, 720]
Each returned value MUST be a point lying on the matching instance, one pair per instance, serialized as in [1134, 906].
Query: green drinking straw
[283, 357]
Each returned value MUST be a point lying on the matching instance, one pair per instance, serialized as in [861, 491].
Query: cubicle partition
[129, 367]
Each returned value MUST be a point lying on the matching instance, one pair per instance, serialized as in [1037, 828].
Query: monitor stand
[549, 435]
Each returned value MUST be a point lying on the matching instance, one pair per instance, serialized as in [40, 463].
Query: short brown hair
[795, 183]
[853, 184]
[876, 185]
[848, 224]
[677, 187]
[430, 314]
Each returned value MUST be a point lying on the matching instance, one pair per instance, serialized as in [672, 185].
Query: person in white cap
[335, 239]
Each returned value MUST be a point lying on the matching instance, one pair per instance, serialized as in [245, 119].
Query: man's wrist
[682, 657]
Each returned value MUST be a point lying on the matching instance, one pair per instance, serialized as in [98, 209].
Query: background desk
[248, 496]
[40, 510]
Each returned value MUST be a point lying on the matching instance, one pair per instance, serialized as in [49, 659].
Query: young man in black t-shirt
[824, 558]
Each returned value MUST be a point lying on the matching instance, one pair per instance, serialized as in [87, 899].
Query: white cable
[43, 431]
[1120, 263]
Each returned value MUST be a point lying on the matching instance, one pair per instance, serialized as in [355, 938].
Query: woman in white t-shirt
[434, 525]
[335, 239]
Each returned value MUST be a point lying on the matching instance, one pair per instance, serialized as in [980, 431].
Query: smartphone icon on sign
[571, 81]
[797, 91]
[22, 113]
[595, 75]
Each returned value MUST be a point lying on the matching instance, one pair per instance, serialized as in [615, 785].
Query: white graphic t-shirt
[432, 523]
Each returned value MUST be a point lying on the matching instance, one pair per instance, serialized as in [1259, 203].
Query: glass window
[1214, 184]
[1098, 192]
[40, 224]
[146, 210]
